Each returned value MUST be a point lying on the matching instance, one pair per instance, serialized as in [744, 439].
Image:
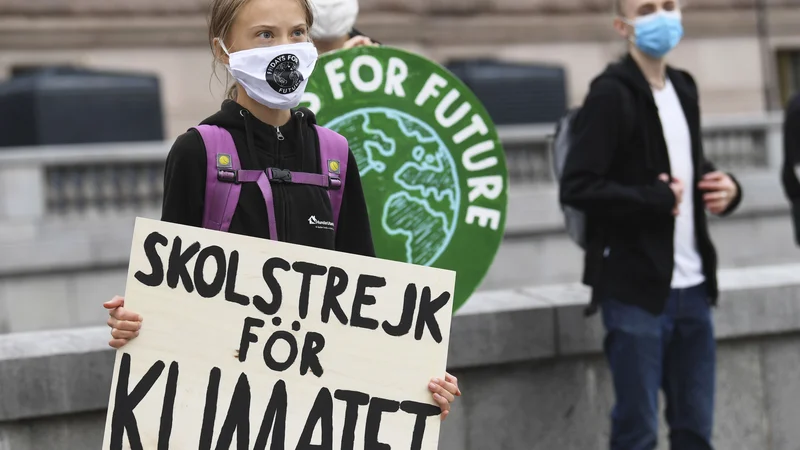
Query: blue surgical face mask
[658, 33]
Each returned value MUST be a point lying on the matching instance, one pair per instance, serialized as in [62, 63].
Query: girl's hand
[124, 324]
[445, 392]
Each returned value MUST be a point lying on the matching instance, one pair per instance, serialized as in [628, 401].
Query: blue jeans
[675, 352]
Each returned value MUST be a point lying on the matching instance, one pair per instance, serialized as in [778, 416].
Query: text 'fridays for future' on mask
[275, 76]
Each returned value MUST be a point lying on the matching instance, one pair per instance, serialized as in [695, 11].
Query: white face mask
[276, 76]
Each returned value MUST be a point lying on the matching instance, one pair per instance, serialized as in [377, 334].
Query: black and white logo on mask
[274, 76]
[282, 74]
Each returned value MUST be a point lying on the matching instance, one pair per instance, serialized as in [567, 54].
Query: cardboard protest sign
[432, 165]
[255, 344]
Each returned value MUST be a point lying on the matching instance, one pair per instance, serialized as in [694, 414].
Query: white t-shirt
[688, 270]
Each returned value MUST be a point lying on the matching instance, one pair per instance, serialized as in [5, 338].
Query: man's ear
[623, 29]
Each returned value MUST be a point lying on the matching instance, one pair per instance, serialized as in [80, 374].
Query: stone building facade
[742, 64]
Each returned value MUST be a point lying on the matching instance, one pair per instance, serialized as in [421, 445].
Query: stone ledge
[58, 372]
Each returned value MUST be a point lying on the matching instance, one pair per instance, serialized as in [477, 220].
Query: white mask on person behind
[275, 76]
[333, 18]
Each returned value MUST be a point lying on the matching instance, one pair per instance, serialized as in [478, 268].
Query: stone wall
[528, 361]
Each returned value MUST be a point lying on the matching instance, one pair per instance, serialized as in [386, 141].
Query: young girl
[285, 192]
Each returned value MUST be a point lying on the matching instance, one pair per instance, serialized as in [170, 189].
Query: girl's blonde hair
[221, 15]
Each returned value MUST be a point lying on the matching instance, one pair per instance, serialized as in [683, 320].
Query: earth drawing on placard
[425, 207]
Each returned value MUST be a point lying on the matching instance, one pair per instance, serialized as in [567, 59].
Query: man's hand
[357, 41]
[677, 188]
[719, 191]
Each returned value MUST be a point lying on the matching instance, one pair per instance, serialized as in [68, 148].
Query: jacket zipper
[277, 188]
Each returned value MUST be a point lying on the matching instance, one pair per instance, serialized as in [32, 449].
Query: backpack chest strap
[278, 176]
[264, 180]
[313, 179]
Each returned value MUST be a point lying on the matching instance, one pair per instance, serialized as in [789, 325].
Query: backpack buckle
[228, 176]
[334, 183]
[280, 175]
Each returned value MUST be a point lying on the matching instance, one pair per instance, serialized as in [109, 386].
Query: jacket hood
[627, 71]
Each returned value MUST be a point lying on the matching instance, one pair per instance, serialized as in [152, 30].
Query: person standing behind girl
[274, 142]
[333, 25]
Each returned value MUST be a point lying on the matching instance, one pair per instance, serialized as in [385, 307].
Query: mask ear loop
[632, 24]
[222, 44]
[225, 49]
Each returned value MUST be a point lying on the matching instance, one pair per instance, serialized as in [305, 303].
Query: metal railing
[732, 142]
[112, 178]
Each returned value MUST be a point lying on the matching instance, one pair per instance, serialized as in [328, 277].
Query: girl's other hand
[124, 324]
[445, 392]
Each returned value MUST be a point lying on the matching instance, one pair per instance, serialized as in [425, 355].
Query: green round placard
[432, 166]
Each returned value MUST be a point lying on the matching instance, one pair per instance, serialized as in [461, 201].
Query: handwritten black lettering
[270, 361]
[322, 413]
[422, 411]
[309, 358]
[122, 418]
[407, 318]
[275, 288]
[336, 285]
[210, 290]
[274, 421]
[248, 337]
[364, 299]
[210, 410]
[377, 406]
[168, 409]
[230, 285]
[353, 400]
[427, 314]
[238, 418]
[156, 276]
[308, 270]
[177, 265]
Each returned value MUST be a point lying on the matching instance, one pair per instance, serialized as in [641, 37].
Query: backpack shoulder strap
[333, 154]
[221, 198]
[560, 142]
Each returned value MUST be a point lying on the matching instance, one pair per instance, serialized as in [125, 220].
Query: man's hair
[618, 6]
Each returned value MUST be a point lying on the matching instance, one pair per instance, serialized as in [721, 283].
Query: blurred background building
[745, 54]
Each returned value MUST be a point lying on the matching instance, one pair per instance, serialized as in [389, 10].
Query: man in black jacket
[791, 160]
[636, 168]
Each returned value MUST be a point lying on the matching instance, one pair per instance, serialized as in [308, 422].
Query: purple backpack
[224, 176]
